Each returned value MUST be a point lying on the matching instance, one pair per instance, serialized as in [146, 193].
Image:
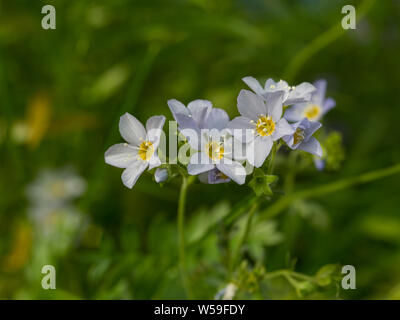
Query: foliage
[62, 92]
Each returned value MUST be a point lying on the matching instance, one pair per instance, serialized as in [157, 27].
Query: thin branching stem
[284, 202]
[245, 235]
[186, 181]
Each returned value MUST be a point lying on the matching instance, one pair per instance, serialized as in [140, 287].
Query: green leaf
[261, 183]
[326, 274]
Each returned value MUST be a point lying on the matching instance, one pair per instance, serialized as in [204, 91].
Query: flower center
[312, 111]
[221, 175]
[215, 150]
[265, 126]
[146, 150]
[57, 189]
[298, 136]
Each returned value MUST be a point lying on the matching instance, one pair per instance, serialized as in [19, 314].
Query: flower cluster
[221, 149]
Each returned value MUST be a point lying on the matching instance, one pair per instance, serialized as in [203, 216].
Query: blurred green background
[61, 95]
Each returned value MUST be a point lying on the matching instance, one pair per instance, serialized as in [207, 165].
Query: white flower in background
[260, 124]
[228, 293]
[141, 150]
[315, 108]
[291, 95]
[54, 222]
[55, 187]
[54, 217]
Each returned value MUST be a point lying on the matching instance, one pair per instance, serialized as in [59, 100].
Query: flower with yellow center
[302, 137]
[315, 108]
[260, 124]
[215, 154]
[215, 150]
[265, 126]
[139, 153]
[298, 136]
[312, 112]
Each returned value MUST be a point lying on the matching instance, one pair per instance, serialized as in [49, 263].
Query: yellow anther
[146, 150]
[265, 126]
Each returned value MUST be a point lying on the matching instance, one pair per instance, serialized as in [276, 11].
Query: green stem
[285, 202]
[181, 234]
[286, 272]
[239, 209]
[291, 276]
[271, 162]
[291, 172]
[321, 42]
[245, 235]
[253, 209]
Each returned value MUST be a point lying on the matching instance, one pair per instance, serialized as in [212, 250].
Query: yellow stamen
[146, 150]
[312, 111]
[221, 175]
[265, 126]
[215, 150]
[298, 136]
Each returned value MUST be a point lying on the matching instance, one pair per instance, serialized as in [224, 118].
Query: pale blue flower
[161, 175]
[260, 124]
[291, 94]
[214, 162]
[215, 151]
[198, 115]
[302, 137]
[140, 151]
[315, 108]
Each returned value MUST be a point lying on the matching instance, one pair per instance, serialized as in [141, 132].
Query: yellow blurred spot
[312, 112]
[19, 254]
[38, 119]
[20, 132]
[58, 189]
